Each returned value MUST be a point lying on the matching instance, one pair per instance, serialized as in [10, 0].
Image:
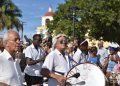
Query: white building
[45, 19]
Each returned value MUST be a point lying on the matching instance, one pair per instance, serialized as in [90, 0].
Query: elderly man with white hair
[10, 73]
[56, 64]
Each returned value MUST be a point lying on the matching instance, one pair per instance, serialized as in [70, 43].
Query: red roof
[49, 14]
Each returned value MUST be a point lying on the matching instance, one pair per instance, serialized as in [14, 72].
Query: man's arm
[104, 67]
[60, 78]
[30, 61]
[3, 84]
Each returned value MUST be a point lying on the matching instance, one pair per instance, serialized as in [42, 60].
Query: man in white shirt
[9, 73]
[56, 64]
[35, 56]
[81, 54]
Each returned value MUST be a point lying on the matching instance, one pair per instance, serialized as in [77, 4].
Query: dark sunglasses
[63, 42]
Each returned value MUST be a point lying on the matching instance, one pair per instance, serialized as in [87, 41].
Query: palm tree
[9, 14]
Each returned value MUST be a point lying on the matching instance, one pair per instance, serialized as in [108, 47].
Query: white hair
[56, 38]
[6, 36]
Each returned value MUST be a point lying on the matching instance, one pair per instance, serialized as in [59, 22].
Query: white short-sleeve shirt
[8, 70]
[56, 63]
[79, 57]
[33, 53]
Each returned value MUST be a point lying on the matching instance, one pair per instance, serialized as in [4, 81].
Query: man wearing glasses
[56, 64]
[34, 55]
[9, 69]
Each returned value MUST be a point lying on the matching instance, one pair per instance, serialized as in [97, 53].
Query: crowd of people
[52, 58]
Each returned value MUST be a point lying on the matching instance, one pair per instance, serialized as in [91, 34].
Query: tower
[48, 16]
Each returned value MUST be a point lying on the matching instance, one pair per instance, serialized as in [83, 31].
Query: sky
[32, 11]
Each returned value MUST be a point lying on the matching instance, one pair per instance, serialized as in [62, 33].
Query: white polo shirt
[8, 70]
[76, 56]
[55, 62]
[31, 52]
[79, 57]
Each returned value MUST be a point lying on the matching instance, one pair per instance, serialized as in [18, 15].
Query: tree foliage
[104, 19]
[99, 18]
[63, 22]
[9, 14]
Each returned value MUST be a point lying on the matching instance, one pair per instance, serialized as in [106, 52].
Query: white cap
[114, 44]
[83, 42]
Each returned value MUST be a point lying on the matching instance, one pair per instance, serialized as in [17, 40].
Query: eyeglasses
[63, 42]
[15, 40]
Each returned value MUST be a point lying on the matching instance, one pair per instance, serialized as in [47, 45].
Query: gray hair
[56, 38]
[6, 36]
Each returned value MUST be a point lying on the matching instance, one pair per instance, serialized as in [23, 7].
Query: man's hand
[3, 84]
[41, 59]
[61, 79]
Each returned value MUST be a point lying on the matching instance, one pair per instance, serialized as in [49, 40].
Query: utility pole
[73, 9]
[73, 17]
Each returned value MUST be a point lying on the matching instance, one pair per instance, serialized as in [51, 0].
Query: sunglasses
[63, 42]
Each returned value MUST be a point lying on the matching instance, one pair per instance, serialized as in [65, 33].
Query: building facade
[45, 19]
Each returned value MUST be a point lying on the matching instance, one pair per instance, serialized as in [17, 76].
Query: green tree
[63, 21]
[99, 18]
[9, 14]
[103, 17]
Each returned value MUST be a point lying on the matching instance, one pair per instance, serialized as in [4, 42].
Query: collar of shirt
[33, 46]
[79, 50]
[8, 56]
[58, 52]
